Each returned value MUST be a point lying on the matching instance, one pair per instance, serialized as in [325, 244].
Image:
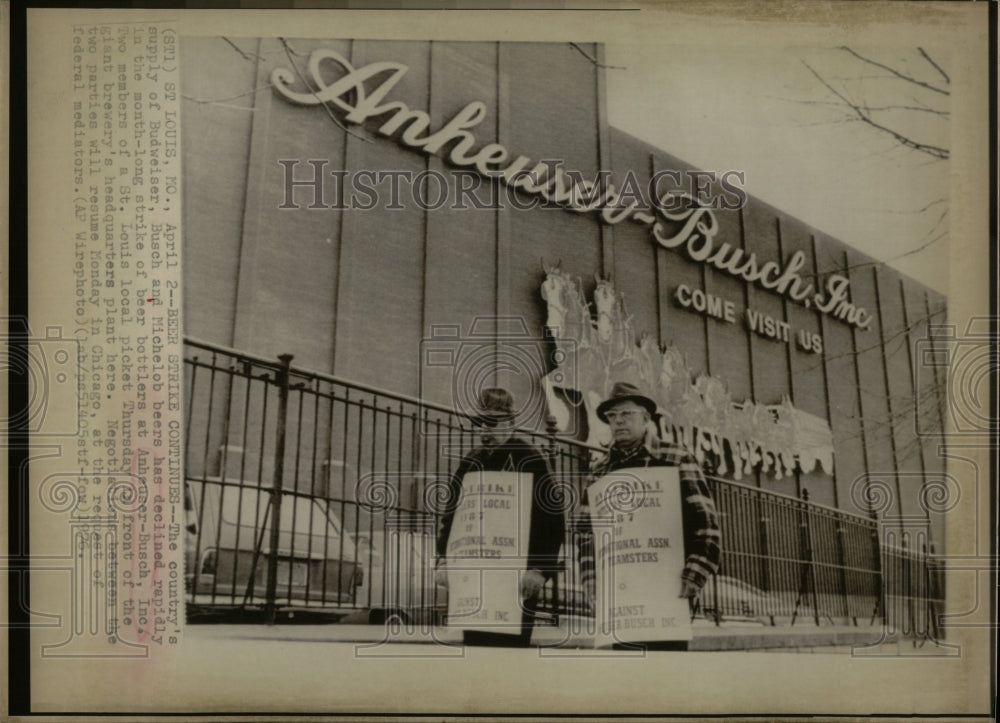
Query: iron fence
[354, 477]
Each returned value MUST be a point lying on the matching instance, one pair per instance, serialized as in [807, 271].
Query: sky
[762, 110]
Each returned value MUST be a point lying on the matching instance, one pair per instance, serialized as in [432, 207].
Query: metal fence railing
[354, 475]
[797, 560]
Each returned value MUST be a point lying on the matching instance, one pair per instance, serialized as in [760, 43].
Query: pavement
[354, 670]
[573, 634]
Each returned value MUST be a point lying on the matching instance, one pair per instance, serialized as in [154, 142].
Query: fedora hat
[624, 392]
[495, 405]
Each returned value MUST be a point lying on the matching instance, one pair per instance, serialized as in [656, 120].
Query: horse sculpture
[596, 351]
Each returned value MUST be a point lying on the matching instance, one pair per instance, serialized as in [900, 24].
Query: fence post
[879, 606]
[842, 565]
[552, 451]
[931, 571]
[906, 609]
[807, 573]
[279, 467]
[763, 520]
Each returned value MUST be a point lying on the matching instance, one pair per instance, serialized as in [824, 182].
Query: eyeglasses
[490, 424]
[624, 416]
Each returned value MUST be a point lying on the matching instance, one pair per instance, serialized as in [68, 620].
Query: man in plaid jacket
[628, 412]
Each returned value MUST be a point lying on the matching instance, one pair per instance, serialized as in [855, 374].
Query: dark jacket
[702, 537]
[547, 515]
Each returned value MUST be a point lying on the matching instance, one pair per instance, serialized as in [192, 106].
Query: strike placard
[639, 550]
[487, 551]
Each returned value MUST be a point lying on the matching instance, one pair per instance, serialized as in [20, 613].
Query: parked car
[405, 588]
[732, 598]
[228, 545]
[400, 582]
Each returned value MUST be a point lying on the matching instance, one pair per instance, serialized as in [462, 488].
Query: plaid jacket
[702, 538]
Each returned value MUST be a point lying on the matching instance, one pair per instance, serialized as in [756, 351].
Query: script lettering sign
[674, 221]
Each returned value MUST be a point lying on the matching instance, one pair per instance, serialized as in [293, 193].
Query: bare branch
[221, 101]
[865, 264]
[917, 108]
[875, 108]
[936, 66]
[288, 47]
[291, 61]
[937, 223]
[895, 72]
[240, 50]
[862, 115]
[593, 60]
[920, 248]
[863, 76]
[899, 336]
[901, 343]
[915, 211]
[934, 151]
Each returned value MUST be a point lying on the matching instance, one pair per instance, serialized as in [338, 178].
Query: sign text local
[639, 564]
[487, 552]
[673, 225]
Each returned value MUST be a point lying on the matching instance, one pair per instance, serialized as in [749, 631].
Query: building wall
[355, 292]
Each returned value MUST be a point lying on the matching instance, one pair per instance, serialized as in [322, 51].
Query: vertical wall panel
[633, 248]
[681, 327]
[729, 342]
[604, 151]
[460, 272]
[931, 372]
[214, 157]
[552, 235]
[896, 356]
[876, 425]
[542, 125]
[808, 383]
[770, 367]
[769, 356]
[552, 104]
[937, 316]
[288, 274]
[850, 458]
[381, 275]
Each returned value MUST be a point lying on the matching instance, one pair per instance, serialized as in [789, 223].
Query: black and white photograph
[485, 366]
[432, 231]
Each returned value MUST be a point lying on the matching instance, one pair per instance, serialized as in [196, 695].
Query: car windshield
[303, 514]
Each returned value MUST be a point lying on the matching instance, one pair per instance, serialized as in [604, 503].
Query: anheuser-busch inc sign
[675, 221]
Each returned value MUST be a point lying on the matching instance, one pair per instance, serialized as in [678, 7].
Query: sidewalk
[574, 635]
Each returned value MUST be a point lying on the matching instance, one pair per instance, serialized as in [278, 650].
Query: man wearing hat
[628, 412]
[503, 451]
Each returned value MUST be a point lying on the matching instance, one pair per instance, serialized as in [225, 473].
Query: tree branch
[935, 202]
[202, 101]
[934, 151]
[291, 61]
[876, 108]
[936, 66]
[895, 72]
[593, 60]
[240, 50]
